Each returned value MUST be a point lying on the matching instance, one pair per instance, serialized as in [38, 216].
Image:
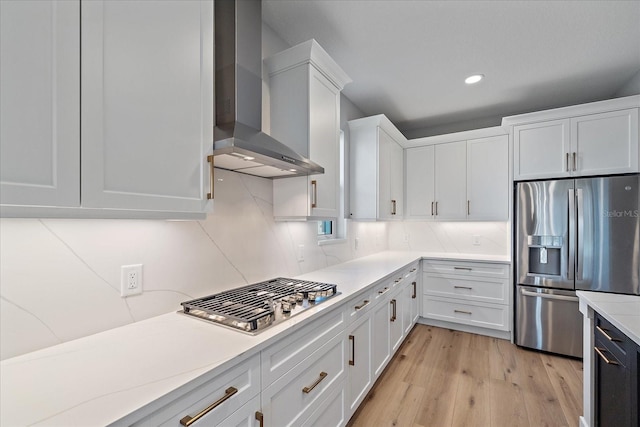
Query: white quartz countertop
[99, 379]
[623, 311]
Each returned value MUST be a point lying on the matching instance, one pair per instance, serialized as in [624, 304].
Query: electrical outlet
[406, 238]
[130, 280]
[476, 240]
[300, 253]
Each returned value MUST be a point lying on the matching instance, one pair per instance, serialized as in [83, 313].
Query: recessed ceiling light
[474, 79]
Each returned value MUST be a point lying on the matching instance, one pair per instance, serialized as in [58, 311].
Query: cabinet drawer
[330, 412]
[451, 310]
[279, 358]
[359, 306]
[245, 378]
[610, 338]
[292, 398]
[463, 268]
[467, 288]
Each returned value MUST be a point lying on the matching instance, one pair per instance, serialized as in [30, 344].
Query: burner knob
[286, 305]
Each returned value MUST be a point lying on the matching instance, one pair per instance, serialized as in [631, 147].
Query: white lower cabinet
[360, 377]
[332, 411]
[291, 399]
[211, 402]
[380, 315]
[397, 305]
[467, 293]
[410, 305]
[248, 415]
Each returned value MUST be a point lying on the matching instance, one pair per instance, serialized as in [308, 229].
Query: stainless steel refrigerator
[572, 234]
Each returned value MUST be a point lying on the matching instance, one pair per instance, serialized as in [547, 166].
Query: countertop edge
[601, 302]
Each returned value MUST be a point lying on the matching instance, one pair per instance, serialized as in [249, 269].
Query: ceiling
[408, 59]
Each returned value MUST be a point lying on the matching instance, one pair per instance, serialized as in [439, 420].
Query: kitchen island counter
[99, 379]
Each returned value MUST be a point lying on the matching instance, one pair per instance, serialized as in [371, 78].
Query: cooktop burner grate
[254, 307]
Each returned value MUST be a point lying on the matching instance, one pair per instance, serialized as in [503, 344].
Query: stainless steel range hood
[239, 145]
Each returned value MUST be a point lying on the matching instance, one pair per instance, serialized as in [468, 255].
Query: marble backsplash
[60, 279]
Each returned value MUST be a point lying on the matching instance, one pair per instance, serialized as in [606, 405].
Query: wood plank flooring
[442, 378]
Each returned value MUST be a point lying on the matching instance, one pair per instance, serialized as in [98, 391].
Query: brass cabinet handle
[463, 268]
[567, 162]
[211, 182]
[260, 418]
[575, 161]
[413, 269]
[314, 194]
[436, 208]
[307, 390]
[607, 336]
[468, 207]
[361, 306]
[462, 311]
[607, 361]
[431, 208]
[382, 291]
[462, 287]
[188, 420]
[414, 295]
[393, 315]
[393, 207]
[352, 361]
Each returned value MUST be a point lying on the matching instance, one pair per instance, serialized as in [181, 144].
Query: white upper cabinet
[488, 178]
[451, 180]
[420, 182]
[40, 103]
[376, 169]
[600, 138]
[128, 136]
[305, 85]
[147, 104]
[459, 176]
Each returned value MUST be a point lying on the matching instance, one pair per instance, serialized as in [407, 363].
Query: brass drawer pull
[414, 295]
[211, 181]
[393, 315]
[382, 291]
[607, 361]
[361, 306]
[260, 418]
[352, 361]
[188, 420]
[307, 390]
[393, 207]
[413, 269]
[462, 287]
[462, 311]
[607, 336]
[463, 268]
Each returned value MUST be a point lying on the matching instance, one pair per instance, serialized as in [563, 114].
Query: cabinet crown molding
[573, 111]
[309, 52]
[457, 136]
[383, 123]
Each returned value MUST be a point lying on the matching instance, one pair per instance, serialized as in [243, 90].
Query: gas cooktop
[253, 308]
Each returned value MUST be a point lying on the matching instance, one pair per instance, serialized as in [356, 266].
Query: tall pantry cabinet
[106, 109]
[305, 85]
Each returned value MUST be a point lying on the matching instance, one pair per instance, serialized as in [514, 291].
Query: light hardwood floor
[442, 378]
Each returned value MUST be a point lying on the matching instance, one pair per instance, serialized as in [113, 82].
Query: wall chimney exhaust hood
[239, 145]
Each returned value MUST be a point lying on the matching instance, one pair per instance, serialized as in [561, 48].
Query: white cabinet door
[451, 180]
[40, 103]
[488, 178]
[324, 144]
[359, 365]
[420, 182]
[397, 305]
[410, 304]
[385, 148]
[605, 143]
[380, 353]
[396, 172]
[147, 103]
[541, 150]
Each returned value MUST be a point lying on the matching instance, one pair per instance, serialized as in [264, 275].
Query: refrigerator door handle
[580, 233]
[548, 296]
[570, 235]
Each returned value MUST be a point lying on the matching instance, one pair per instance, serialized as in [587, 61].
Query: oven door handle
[527, 293]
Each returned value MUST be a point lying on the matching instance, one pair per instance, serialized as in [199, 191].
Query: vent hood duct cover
[239, 145]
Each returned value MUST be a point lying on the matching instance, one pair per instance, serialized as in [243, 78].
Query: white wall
[453, 237]
[60, 279]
